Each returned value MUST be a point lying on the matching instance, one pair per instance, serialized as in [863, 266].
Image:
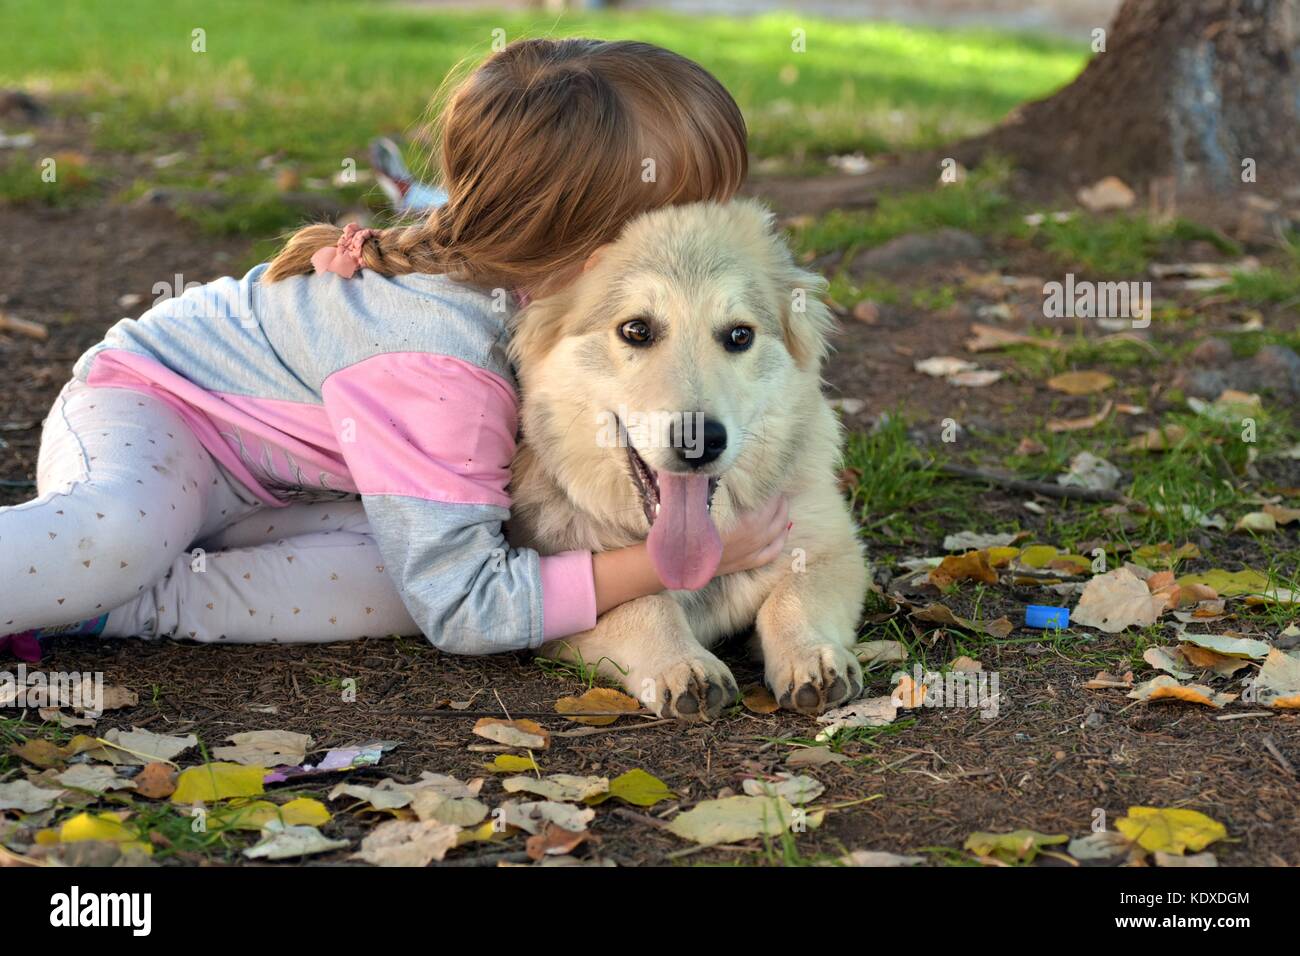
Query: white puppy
[675, 384]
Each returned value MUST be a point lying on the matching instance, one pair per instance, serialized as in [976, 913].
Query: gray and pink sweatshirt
[394, 388]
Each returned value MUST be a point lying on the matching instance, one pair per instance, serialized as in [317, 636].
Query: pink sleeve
[425, 426]
[568, 594]
[441, 431]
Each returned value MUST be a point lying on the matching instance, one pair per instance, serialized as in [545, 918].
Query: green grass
[896, 492]
[1270, 285]
[311, 83]
[978, 205]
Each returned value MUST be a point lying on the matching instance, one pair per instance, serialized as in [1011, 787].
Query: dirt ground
[1055, 753]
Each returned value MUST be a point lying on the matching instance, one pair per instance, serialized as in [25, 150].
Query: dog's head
[662, 370]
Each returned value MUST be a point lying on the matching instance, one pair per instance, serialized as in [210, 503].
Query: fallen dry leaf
[1161, 438]
[554, 841]
[758, 699]
[1106, 195]
[156, 781]
[864, 712]
[1169, 830]
[1058, 425]
[514, 733]
[598, 700]
[1165, 687]
[533, 816]
[988, 338]
[1081, 383]
[1019, 846]
[908, 694]
[1105, 679]
[733, 819]
[559, 787]
[971, 566]
[1117, 600]
[797, 788]
[265, 748]
[407, 843]
[282, 841]
[1278, 681]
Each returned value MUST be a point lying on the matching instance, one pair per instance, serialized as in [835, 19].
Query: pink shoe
[23, 646]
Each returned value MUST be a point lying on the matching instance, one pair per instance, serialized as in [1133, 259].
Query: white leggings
[135, 519]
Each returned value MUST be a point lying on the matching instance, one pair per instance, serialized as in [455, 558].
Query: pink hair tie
[344, 257]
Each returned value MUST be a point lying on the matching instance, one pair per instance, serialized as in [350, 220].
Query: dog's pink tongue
[684, 545]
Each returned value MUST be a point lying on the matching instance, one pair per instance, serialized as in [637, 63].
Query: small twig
[635, 817]
[488, 859]
[1036, 487]
[588, 731]
[1271, 747]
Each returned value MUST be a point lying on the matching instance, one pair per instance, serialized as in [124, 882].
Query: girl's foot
[26, 645]
[405, 193]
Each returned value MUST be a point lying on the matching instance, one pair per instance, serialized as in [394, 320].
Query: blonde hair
[546, 151]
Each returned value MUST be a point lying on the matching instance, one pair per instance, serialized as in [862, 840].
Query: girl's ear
[595, 257]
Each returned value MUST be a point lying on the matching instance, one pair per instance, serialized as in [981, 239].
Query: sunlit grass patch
[309, 84]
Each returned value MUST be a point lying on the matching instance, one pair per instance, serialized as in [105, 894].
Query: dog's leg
[647, 645]
[807, 627]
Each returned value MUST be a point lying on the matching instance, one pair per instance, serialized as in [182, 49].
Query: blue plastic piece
[1046, 616]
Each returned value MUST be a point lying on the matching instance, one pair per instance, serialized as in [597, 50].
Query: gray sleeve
[466, 588]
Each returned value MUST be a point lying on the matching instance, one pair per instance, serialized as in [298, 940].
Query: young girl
[320, 450]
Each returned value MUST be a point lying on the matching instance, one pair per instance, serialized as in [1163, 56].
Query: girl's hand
[757, 538]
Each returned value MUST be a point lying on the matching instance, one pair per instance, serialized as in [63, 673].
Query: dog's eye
[636, 332]
[738, 339]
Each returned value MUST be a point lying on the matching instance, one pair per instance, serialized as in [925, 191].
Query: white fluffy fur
[698, 270]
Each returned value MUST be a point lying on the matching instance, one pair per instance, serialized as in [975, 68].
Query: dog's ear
[537, 328]
[806, 322]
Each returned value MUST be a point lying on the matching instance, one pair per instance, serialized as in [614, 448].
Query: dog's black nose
[701, 441]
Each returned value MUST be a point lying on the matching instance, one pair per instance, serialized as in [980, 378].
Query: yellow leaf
[303, 811]
[512, 763]
[1170, 830]
[1001, 557]
[600, 700]
[635, 787]
[218, 781]
[100, 826]
[1038, 555]
[1019, 846]
[1229, 583]
[485, 832]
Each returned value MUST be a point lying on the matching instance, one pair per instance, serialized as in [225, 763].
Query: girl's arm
[428, 440]
[627, 574]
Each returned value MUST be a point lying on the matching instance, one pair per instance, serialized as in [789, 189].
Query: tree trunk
[1203, 93]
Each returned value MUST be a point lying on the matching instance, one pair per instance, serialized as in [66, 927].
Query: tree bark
[1200, 92]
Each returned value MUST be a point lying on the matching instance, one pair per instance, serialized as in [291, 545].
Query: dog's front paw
[695, 687]
[812, 678]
